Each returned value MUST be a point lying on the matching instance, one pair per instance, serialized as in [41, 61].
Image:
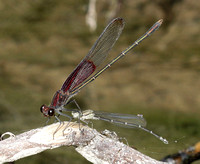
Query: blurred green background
[42, 41]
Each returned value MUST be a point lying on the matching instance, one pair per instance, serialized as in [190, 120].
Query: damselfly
[125, 120]
[80, 76]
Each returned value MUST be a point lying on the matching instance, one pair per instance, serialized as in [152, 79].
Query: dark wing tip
[119, 20]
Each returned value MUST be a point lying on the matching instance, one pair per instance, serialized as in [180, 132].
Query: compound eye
[51, 112]
[42, 108]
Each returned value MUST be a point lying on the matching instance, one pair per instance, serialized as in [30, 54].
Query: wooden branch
[95, 147]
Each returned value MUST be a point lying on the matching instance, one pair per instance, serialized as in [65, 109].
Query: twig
[94, 146]
[186, 156]
[91, 17]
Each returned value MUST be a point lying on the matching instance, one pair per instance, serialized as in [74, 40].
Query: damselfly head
[47, 111]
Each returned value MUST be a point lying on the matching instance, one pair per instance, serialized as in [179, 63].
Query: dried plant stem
[94, 146]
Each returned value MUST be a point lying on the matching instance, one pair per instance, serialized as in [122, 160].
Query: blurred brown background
[42, 41]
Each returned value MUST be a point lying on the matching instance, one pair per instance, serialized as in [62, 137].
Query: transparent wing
[125, 120]
[96, 55]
